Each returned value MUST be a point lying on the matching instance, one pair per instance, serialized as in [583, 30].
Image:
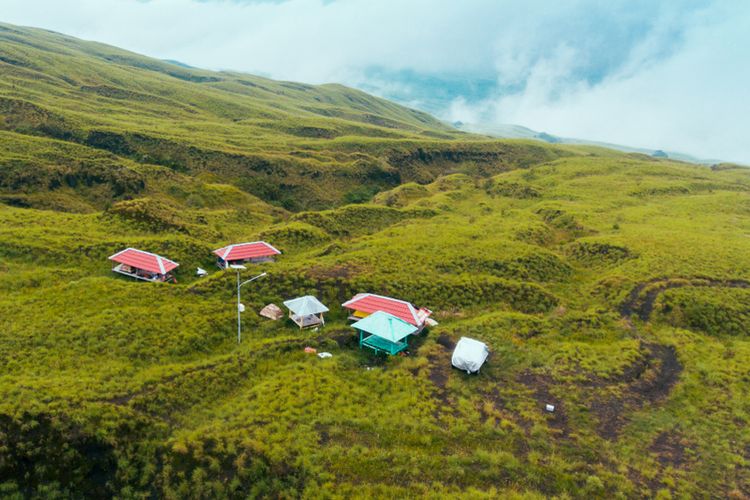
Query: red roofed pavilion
[364, 304]
[143, 265]
[256, 251]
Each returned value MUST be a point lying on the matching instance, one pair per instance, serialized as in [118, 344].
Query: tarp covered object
[272, 311]
[469, 355]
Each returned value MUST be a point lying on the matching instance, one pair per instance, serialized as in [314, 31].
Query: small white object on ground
[201, 272]
[325, 355]
[550, 408]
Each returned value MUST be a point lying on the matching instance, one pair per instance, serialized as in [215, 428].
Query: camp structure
[384, 332]
[469, 355]
[364, 304]
[240, 253]
[306, 311]
[142, 265]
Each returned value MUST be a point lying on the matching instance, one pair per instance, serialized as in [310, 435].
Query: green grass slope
[296, 146]
[613, 286]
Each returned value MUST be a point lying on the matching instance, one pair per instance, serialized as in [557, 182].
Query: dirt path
[648, 383]
[641, 304]
[439, 370]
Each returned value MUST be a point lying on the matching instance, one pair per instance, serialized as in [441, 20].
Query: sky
[672, 75]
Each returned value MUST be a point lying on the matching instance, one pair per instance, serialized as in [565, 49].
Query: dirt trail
[439, 366]
[649, 382]
[651, 379]
[642, 305]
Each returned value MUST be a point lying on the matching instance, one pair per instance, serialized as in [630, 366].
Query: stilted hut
[306, 311]
[383, 332]
[364, 304]
[142, 265]
[241, 253]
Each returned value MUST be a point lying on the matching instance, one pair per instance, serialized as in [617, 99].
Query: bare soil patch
[439, 371]
[540, 386]
[669, 449]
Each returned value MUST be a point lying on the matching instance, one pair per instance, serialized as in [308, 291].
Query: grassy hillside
[613, 286]
[296, 146]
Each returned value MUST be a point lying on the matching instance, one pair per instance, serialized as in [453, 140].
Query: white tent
[469, 355]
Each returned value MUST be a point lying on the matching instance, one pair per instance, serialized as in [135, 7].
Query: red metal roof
[370, 303]
[242, 251]
[146, 261]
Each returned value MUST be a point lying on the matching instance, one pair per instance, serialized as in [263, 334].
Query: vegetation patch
[537, 266]
[715, 311]
[359, 219]
[238, 470]
[561, 220]
[513, 190]
[402, 195]
[295, 235]
[593, 252]
[150, 214]
[643, 297]
[536, 234]
[50, 455]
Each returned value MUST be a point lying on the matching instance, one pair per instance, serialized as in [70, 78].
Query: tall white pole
[239, 316]
[238, 268]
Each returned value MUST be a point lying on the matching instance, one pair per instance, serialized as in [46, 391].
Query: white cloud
[696, 101]
[668, 74]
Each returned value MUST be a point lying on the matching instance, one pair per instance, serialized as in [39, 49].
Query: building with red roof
[142, 265]
[239, 253]
[364, 304]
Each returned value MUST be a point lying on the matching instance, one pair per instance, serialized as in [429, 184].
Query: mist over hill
[509, 131]
[610, 286]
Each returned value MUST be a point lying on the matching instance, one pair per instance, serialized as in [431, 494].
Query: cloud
[668, 75]
[694, 100]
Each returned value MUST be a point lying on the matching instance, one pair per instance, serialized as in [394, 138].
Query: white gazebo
[306, 311]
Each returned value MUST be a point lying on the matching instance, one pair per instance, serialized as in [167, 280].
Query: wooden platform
[381, 345]
[307, 321]
[156, 279]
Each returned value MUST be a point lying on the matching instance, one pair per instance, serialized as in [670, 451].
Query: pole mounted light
[238, 268]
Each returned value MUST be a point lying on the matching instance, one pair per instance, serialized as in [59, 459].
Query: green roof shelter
[383, 332]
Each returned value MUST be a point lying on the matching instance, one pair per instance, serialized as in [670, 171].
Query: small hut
[241, 253]
[142, 265]
[384, 332]
[364, 304]
[306, 311]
